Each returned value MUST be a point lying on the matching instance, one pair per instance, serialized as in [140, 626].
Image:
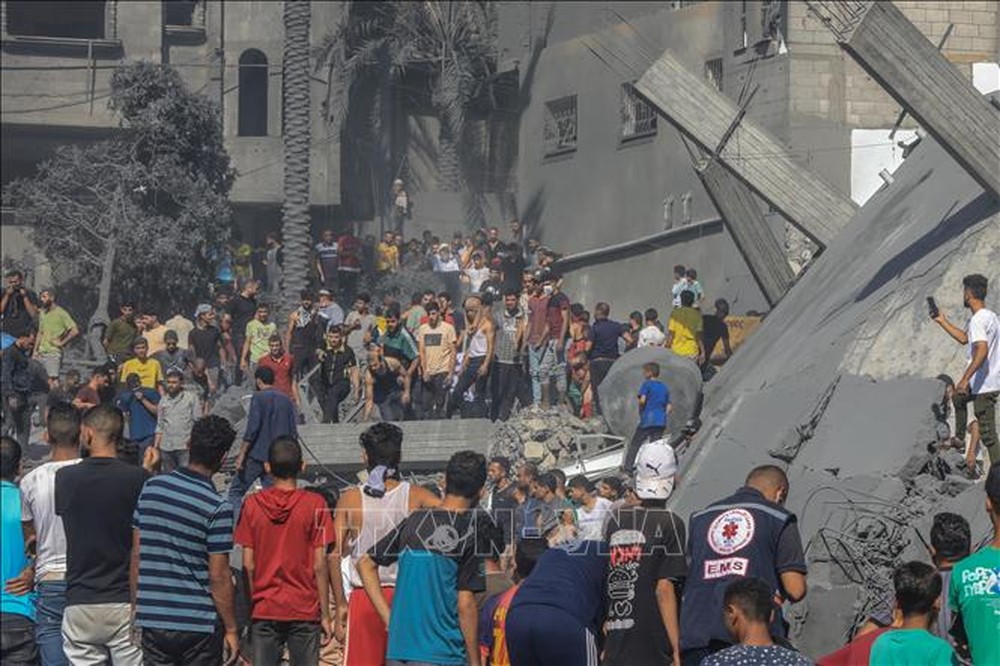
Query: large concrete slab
[741, 212]
[704, 115]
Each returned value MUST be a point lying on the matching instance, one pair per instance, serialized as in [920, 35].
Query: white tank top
[477, 344]
[379, 516]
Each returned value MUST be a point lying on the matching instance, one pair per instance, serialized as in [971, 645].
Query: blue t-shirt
[12, 557]
[141, 421]
[181, 520]
[570, 577]
[436, 552]
[654, 412]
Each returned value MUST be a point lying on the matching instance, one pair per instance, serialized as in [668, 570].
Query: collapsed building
[839, 384]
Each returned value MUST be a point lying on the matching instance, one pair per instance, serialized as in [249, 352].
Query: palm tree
[296, 103]
[453, 44]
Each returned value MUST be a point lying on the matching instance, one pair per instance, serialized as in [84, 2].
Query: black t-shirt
[646, 546]
[15, 318]
[513, 270]
[205, 343]
[604, 333]
[242, 310]
[336, 364]
[714, 329]
[96, 499]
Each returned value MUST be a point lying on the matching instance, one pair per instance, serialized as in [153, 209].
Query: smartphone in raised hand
[932, 308]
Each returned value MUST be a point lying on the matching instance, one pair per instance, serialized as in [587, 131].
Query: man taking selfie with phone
[980, 383]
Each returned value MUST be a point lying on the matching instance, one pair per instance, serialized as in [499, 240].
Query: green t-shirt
[912, 647]
[120, 335]
[52, 325]
[974, 595]
[258, 335]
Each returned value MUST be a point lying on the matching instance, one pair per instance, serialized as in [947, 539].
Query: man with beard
[55, 329]
[304, 335]
[120, 333]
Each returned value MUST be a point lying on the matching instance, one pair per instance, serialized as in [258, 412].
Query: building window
[179, 12]
[79, 19]
[638, 116]
[560, 125]
[253, 94]
[713, 73]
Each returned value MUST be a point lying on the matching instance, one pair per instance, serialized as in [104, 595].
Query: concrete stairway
[427, 445]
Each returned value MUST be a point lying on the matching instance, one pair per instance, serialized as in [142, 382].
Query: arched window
[253, 93]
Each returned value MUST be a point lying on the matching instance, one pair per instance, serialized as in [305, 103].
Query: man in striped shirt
[182, 534]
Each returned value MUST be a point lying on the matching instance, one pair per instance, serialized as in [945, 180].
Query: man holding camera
[18, 305]
[980, 383]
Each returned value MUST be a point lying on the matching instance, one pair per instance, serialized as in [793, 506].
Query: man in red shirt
[284, 532]
[283, 365]
[349, 265]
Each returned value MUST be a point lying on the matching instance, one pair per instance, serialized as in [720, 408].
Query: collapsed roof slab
[751, 154]
[741, 213]
[916, 74]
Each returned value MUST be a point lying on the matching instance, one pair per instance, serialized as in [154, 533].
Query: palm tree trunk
[449, 166]
[296, 105]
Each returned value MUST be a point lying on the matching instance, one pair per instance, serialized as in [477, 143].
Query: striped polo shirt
[181, 521]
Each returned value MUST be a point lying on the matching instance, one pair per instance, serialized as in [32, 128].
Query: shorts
[367, 637]
[52, 362]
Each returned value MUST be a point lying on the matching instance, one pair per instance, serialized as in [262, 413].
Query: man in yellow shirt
[387, 254]
[257, 342]
[684, 331]
[148, 369]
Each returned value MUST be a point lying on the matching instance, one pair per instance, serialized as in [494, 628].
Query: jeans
[270, 637]
[435, 396]
[17, 640]
[332, 397]
[468, 378]
[984, 406]
[98, 633]
[163, 647]
[241, 482]
[49, 608]
[598, 371]
[171, 460]
[391, 408]
[506, 380]
[540, 362]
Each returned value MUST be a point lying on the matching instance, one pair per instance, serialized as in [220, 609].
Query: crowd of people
[501, 335]
[109, 559]
[127, 544]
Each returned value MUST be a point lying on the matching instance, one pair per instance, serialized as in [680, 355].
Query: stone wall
[828, 84]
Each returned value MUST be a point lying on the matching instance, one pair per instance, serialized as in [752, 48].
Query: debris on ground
[547, 437]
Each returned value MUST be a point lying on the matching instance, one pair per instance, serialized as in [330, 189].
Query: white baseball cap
[655, 470]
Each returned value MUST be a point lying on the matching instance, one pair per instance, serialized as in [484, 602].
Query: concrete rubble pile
[543, 436]
[839, 387]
